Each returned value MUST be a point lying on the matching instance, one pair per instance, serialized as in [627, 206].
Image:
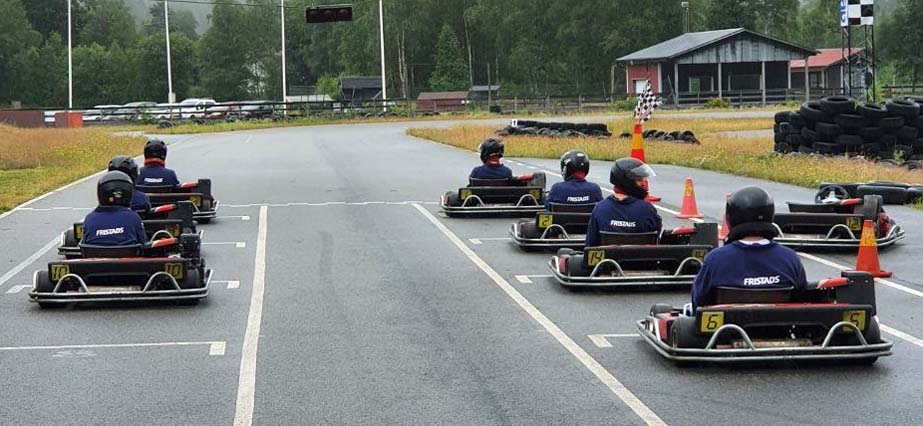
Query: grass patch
[750, 157]
[35, 161]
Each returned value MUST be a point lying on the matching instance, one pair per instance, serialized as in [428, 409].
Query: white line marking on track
[881, 281]
[49, 209]
[527, 279]
[233, 284]
[243, 218]
[236, 244]
[330, 203]
[901, 335]
[588, 361]
[30, 260]
[602, 340]
[477, 241]
[215, 348]
[17, 288]
[246, 385]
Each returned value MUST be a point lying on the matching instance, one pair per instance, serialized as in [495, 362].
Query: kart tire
[890, 195]
[70, 240]
[795, 119]
[575, 267]
[871, 207]
[779, 137]
[452, 199]
[908, 134]
[834, 105]
[685, 334]
[851, 123]
[530, 231]
[827, 131]
[871, 134]
[891, 124]
[43, 283]
[661, 308]
[827, 148]
[907, 109]
[808, 135]
[785, 128]
[873, 111]
[912, 165]
[204, 220]
[783, 117]
[794, 140]
[192, 280]
[812, 113]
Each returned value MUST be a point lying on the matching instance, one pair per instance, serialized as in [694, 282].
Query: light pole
[284, 88]
[70, 60]
[171, 97]
[381, 29]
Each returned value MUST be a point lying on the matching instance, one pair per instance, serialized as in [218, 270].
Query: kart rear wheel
[192, 280]
[452, 199]
[871, 207]
[685, 335]
[204, 220]
[661, 308]
[43, 283]
[575, 267]
[70, 240]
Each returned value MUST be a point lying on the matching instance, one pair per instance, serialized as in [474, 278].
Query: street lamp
[171, 97]
[381, 29]
[70, 60]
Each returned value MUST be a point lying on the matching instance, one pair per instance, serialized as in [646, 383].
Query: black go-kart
[518, 197]
[161, 270]
[670, 258]
[834, 319]
[166, 221]
[562, 226]
[834, 221]
[198, 193]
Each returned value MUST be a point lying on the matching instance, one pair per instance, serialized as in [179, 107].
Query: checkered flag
[857, 12]
[647, 103]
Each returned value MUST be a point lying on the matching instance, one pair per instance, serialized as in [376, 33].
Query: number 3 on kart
[712, 321]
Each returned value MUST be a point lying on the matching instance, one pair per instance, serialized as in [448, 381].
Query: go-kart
[164, 269]
[198, 193]
[834, 319]
[834, 221]
[518, 197]
[562, 226]
[172, 220]
[669, 258]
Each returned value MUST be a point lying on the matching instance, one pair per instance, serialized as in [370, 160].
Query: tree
[38, 74]
[725, 14]
[16, 35]
[108, 22]
[819, 24]
[905, 37]
[181, 20]
[451, 71]
[151, 78]
[50, 16]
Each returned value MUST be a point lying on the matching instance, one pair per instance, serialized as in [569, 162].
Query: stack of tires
[836, 125]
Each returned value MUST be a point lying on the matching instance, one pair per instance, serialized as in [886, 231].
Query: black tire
[890, 195]
[785, 128]
[775, 128]
[452, 199]
[886, 162]
[796, 120]
[871, 207]
[827, 131]
[908, 134]
[783, 117]
[908, 109]
[918, 145]
[870, 149]
[888, 141]
[828, 148]
[779, 137]
[530, 231]
[851, 123]
[808, 135]
[782, 148]
[675, 135]
[918, 100]
[870, 134]
[661, 308]
[648, 133]
[794, 140]
[872, 111]
[914, 194]
[69, 239]
[891, 124]
[43, 283]
[575, 267]
[192, 280]
[912, 165]
[813, 114]
[834, 105]
[685, 334]
[687, 135]
[804, 149]
[850, 141]
[919, 123]
[903, 150]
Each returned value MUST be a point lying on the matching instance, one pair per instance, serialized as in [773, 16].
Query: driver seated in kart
[113, 223]
[491, 151]
[626, 210]
[575, 165]
[749, 258]
[140, 202]
[155, 172]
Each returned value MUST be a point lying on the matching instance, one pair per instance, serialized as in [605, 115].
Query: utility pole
[171, 97]
[685, 6]
[284, 88]
[70, 60]
[381, 30]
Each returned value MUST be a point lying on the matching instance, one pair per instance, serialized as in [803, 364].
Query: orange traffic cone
[725, 229]
[867, 260]
[650, 198]
[689, 210]
[637, 144]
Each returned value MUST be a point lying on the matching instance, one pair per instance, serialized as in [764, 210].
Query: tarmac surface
[342, 295]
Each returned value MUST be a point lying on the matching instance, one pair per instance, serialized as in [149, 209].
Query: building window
[815, 80]
[701, 84]
[639, 85]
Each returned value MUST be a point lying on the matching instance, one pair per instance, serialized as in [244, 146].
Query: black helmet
[626, 171]
[155, 148]
[573, 161]
[749, 212]
[115, 189]
[125, 164]
[489, 148]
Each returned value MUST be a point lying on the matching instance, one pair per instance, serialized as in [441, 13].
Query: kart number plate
[173, 230]
[78, 232]
[174, 269]
[855, 317]
[699, 253]
[536, 193]
[545, 220]
[58, 272]
[196, 200]
[464, 194]
[593, 257]
[854, 223]
[711, 321]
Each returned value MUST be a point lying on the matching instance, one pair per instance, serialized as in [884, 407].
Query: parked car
[195, 107]
[132, 110]
[254, 110]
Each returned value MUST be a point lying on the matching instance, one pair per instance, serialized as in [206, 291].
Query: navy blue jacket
[140, 202]
[574, 191]
[748, 266]
[487, 171]
[629, 215]
[156, 175]
[113, 226]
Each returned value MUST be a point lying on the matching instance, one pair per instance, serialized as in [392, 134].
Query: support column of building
[763, 80]
[807, 81]
[676, 83]
[719, 80]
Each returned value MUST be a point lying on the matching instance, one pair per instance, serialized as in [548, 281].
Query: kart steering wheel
[830, 194]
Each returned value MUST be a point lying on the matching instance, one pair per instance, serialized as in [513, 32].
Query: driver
[575, 165]
[491, 151]
[140, 202]
[155, 172]
[113, 223]
[625, 210]
[750, 258]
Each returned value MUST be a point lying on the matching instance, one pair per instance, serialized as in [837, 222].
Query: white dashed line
[215, 348]
[602, 340]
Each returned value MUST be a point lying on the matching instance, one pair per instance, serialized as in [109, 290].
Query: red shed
[442, 101]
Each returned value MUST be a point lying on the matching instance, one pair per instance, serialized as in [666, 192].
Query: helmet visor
[640, 172]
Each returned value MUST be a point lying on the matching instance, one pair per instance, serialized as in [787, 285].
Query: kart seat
[624, 238]
[820, 208]
[110, 252]
[734, 295]
[472, 182]
[571, 208]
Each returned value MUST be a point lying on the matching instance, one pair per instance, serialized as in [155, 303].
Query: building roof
[359, 83]
[484, 88]
[689, 42]
[824, 59]
[438, 96]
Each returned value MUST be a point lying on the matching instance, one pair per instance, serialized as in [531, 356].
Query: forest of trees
[534, 48]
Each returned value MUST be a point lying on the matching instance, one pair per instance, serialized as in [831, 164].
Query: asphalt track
[340, 301]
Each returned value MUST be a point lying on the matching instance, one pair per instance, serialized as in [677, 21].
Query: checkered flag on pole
[647, 103]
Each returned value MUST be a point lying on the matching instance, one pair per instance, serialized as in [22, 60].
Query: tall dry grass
[750, 157]
[34, 161]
